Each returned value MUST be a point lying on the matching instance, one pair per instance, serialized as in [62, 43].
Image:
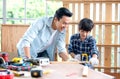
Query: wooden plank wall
[10, 35]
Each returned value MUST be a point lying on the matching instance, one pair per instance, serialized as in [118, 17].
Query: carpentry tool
[18, 60]
[6, 74]
[19, 68]
[85, 60]
[41, 61]
[2, 63]
[5, 56]
[84, 57]
[34, 61]
[18, 74]
[37, 72]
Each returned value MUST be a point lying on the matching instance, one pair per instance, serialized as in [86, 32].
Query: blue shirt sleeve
[93, 47]
[61, 46]
[31, 33]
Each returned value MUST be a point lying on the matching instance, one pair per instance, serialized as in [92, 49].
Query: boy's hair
[86, 24]
[62, 12]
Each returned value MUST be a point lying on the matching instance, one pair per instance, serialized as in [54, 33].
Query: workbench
[67, 70]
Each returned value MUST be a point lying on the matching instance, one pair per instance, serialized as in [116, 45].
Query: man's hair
[86, 24]
[62, 12]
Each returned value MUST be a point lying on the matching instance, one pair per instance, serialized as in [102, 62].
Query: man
[44, 35]
[82, 45]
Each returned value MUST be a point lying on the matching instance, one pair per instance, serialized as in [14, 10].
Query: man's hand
[77, 57]
[64, 56]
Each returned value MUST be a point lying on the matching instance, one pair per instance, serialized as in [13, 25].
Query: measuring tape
[4, 74]
[84, 57]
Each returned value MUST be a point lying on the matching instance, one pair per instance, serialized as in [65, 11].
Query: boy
[83, 46]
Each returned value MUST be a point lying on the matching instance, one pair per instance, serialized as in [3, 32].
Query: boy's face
[83, 34]
[62, 23]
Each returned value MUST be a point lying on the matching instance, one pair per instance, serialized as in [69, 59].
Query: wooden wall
[10, 35]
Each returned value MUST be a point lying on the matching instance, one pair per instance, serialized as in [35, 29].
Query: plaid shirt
[78, 47]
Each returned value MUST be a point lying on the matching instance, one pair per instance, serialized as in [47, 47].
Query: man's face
[83, 34]
[62, 23]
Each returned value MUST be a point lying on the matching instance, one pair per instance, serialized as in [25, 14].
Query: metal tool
[84, 57]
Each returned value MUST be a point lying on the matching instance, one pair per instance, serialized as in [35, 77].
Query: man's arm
[27, 52]
[28, 37]
[64, 56]
[72, 55]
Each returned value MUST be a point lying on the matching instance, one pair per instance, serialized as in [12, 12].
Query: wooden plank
[67, 36]
[116, 26]
[100, 35]
[100, 26]
[11, 34]
[107, 67]
[94, 12]
[94, 32]
[67, 32]
[108, 45]
[116, 11]
[107, 49]
[73, 17]
[115, 56]
[79, 11]
[108, 30]
[100, 55]
[94, 18]
[101, 23]
[73, 29]
[107, 58]
[86, 9]
[90, 1]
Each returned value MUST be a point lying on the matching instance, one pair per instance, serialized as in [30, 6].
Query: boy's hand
[94, 61]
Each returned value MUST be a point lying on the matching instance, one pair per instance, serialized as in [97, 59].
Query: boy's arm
[94, 51]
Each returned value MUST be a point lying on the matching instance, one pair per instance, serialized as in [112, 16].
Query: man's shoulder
[44, 20]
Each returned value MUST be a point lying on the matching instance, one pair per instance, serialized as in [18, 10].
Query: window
[1, 4]
[25, 11]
